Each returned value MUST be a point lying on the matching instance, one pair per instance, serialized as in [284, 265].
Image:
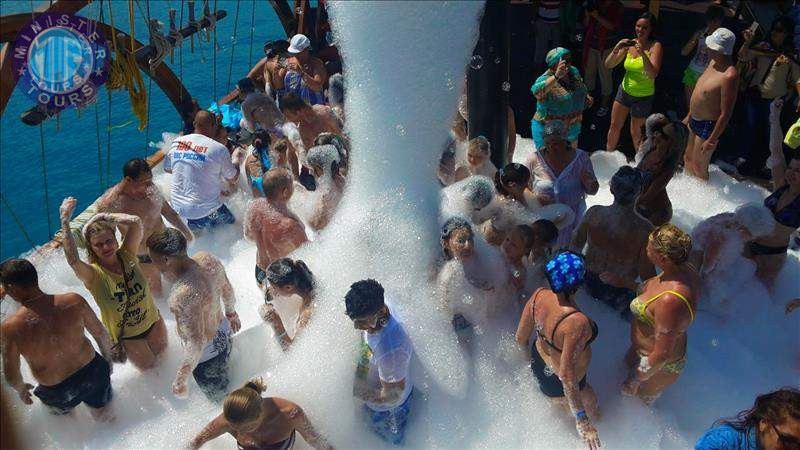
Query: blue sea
[69, 156]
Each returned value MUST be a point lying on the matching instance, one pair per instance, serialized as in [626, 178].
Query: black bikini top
[790, 214]
[550, 342]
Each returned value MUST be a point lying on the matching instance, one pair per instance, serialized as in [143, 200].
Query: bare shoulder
[107, 201]
[731, 74]
[10, 327]
[317, 63]
[289, 409]
[69, 300]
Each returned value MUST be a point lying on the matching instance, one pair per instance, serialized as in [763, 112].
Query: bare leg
[104, 414]
[636, 131]
[689, 157]
[768, 267]
[144, 353]
[702, 159]
[619, 113]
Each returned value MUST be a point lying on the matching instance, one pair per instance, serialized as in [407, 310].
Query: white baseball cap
[721, 40]
[298, 43]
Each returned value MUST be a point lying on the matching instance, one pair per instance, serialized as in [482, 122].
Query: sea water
[399, 58]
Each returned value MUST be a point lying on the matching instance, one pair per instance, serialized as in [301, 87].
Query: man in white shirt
[382, 374]
[198, 164]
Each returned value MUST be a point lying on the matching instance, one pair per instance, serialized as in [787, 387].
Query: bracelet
[581, 414]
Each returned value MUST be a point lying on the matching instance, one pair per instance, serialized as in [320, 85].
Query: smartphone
[629, 43]
[753, 27]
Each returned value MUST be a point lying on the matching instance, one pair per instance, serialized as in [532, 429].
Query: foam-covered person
[323, 160]
[114, 277]
[616, 243]
[257, 422]
[545, 238]
[310, 120]
[561, 354]
[478, 162]
[136, 194]
[516, 248]
[382, 380]
[49, 332]
[465, 282]
[286, 278]
[199, 284]
[275, 229]
[662, 314]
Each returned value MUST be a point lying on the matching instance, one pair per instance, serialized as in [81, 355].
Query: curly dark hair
[285, 272]
[364, 298]
[772, 408]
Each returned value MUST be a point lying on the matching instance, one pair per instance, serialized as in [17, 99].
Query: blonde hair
[244, 404]
[481, 143]
[672, 243]
[93, 229]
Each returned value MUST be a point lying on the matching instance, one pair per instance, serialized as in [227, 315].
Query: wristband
[581, 414]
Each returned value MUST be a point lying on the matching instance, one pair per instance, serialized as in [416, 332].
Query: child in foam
[382, 375]
[286, 278]
[478, 162]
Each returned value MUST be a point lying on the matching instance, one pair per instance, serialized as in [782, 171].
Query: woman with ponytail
[286, 278]
[259, 423]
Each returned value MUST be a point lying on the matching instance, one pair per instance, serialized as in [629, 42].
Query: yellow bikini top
[638, 308]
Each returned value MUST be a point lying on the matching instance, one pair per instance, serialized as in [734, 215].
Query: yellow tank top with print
[636, 82]
[108, 291]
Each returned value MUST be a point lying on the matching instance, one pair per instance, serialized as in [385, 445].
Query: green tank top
[636, 82]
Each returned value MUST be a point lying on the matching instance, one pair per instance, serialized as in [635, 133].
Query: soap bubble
[401, 130]
[497, 60]
[476, 62]
[506, 86]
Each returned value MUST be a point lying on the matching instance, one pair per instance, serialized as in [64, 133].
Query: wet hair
[565, 272]
[545, 230]
[93, 229]
[276, 47]
[756, 218]
[326, 157]
[364, 298]
[449, 154]
[672, 243]
[168, 242]
[19, 272]
[449, 227]
[481, 143]
[274, 181]
[714, 12]
[626, 185]
[653, 23]
[290, 101]
[135, 167]
[244, 404]
[246, 86]
[281, 145]
[261, 139]
[772, 408]
[657, 124]
[336, 89]
[478, 191]
[528, 236]
[285, 272]
[511, 173]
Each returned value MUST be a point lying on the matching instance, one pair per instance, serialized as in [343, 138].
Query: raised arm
[83, 271]
[173, 218]
[652, 62]
[617, 55]
[576, 335]
[96, 329]
[213, 430]
[11, 366]
[776, 161]
[135, 229]
[300, 422]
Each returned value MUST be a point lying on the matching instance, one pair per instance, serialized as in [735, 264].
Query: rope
[17, 221]
[174, 33]
[252, 30]
[44, 177]
[233, 46]
[192, 21]
[125, 73]
[215, 47]
[180, 52]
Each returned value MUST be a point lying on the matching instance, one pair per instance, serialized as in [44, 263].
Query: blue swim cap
[565, 271]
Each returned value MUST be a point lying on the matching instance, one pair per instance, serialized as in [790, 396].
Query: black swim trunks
[549, 383]
[616, 297]
[212, 375]
[91, 384]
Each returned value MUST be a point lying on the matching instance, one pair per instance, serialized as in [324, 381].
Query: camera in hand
[629, 43]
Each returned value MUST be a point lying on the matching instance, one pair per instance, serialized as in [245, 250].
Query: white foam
[401, 59]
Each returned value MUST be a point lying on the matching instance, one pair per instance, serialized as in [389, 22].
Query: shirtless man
[199, 284]
[617, 239]
[310, 120]
[324, 163]
[305, 75]
[48, 331]
[275, 229]
[711, 104]
[136, 195]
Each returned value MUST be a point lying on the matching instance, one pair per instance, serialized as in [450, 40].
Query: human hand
[293, 66]
[709, 146]
[24, 392]
[638, 47]
[589, 101]
[267, 312]
[561, 69]
[179, 389]
[236, 323]
[748, 34]
[67, 209]
[621, 44]
[588, 433]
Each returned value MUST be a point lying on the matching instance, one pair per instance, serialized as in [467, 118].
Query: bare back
[275, 427]
[276, 233]
[616, 241]
[194, 303]
[148, 209]
[53, 344]
[324, 121]
[547, 312]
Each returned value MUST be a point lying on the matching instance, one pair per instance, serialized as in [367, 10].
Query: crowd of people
[516, 239]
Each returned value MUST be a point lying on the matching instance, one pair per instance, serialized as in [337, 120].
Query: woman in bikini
[259, 423]
[769, 252]
[561, 355]
[662, 313]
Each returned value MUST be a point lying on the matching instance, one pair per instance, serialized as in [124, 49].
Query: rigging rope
[233, 46]
[252, 30]
[44, 177]
[215, 46]
[18, 222]
[192, 21]
[125, 73]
